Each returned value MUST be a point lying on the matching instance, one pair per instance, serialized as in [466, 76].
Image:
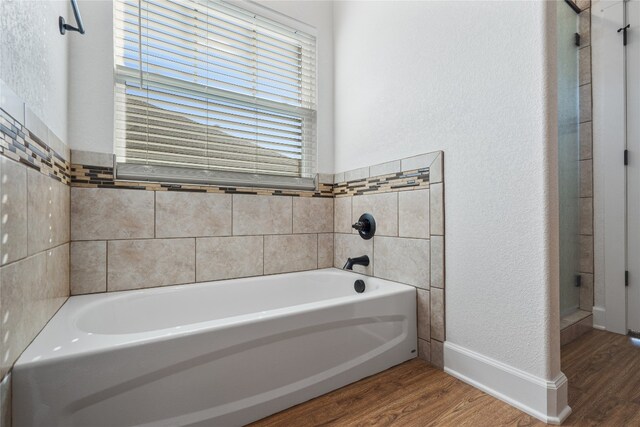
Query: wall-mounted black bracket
[576, 39]
[578, 281]
[624, 34]
[64, 27]
[626, 278]
[366, 226]
[626, 157]
[573, 6]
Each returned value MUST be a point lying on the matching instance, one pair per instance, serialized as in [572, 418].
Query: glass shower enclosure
[568, 157]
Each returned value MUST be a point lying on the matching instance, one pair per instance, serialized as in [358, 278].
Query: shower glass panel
[568, 157]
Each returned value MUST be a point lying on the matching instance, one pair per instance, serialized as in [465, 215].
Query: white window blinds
[209, 92]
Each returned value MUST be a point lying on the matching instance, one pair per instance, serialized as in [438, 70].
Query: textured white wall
[33, 57]
[318, 14]
[91, 80]
[477, 80]
[91, 61]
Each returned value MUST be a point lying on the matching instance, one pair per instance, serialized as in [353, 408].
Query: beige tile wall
[34, 276]
[88, 271]
[99, 214]
[352, 245]
[325, 250]
[290, 252]
[230, 257]
[5, 401]
[404, 260]
[49, 200]
[135, 264]
[131, 239]
[192, 214]
[413, 219]
[383, 207]
[34, 242]
[409, 243]
[13, 184]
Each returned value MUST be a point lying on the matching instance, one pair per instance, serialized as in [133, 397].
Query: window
[208, 92]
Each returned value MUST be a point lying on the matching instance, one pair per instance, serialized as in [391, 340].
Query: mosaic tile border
[21, 145]
[408, 180]
[90, 176]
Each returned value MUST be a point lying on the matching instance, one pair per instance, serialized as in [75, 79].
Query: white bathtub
[210, 354]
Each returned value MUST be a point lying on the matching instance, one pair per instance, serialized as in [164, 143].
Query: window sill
[175, 175]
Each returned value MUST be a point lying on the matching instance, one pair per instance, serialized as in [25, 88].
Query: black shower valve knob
[366, 226]
[361, 226]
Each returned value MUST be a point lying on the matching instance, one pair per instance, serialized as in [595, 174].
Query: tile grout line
[26, 180]
[398, 214]
[106, 257]
[35, 254]
[373, 256]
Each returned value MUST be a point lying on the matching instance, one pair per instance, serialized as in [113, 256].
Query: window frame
[182, 175]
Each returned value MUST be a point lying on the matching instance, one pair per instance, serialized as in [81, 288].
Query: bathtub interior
[140, 311]
[96, 323]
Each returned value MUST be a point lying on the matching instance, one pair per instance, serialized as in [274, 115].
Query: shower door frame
[568, 156]
[609, 171]
[633, 168]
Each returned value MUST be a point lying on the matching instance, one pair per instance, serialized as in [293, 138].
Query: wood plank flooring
[604, 390]
[604, 380]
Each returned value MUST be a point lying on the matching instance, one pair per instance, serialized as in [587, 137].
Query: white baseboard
[599, 319]
[545, 400]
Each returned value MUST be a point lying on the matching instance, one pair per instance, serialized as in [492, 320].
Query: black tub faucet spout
[361, 260]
